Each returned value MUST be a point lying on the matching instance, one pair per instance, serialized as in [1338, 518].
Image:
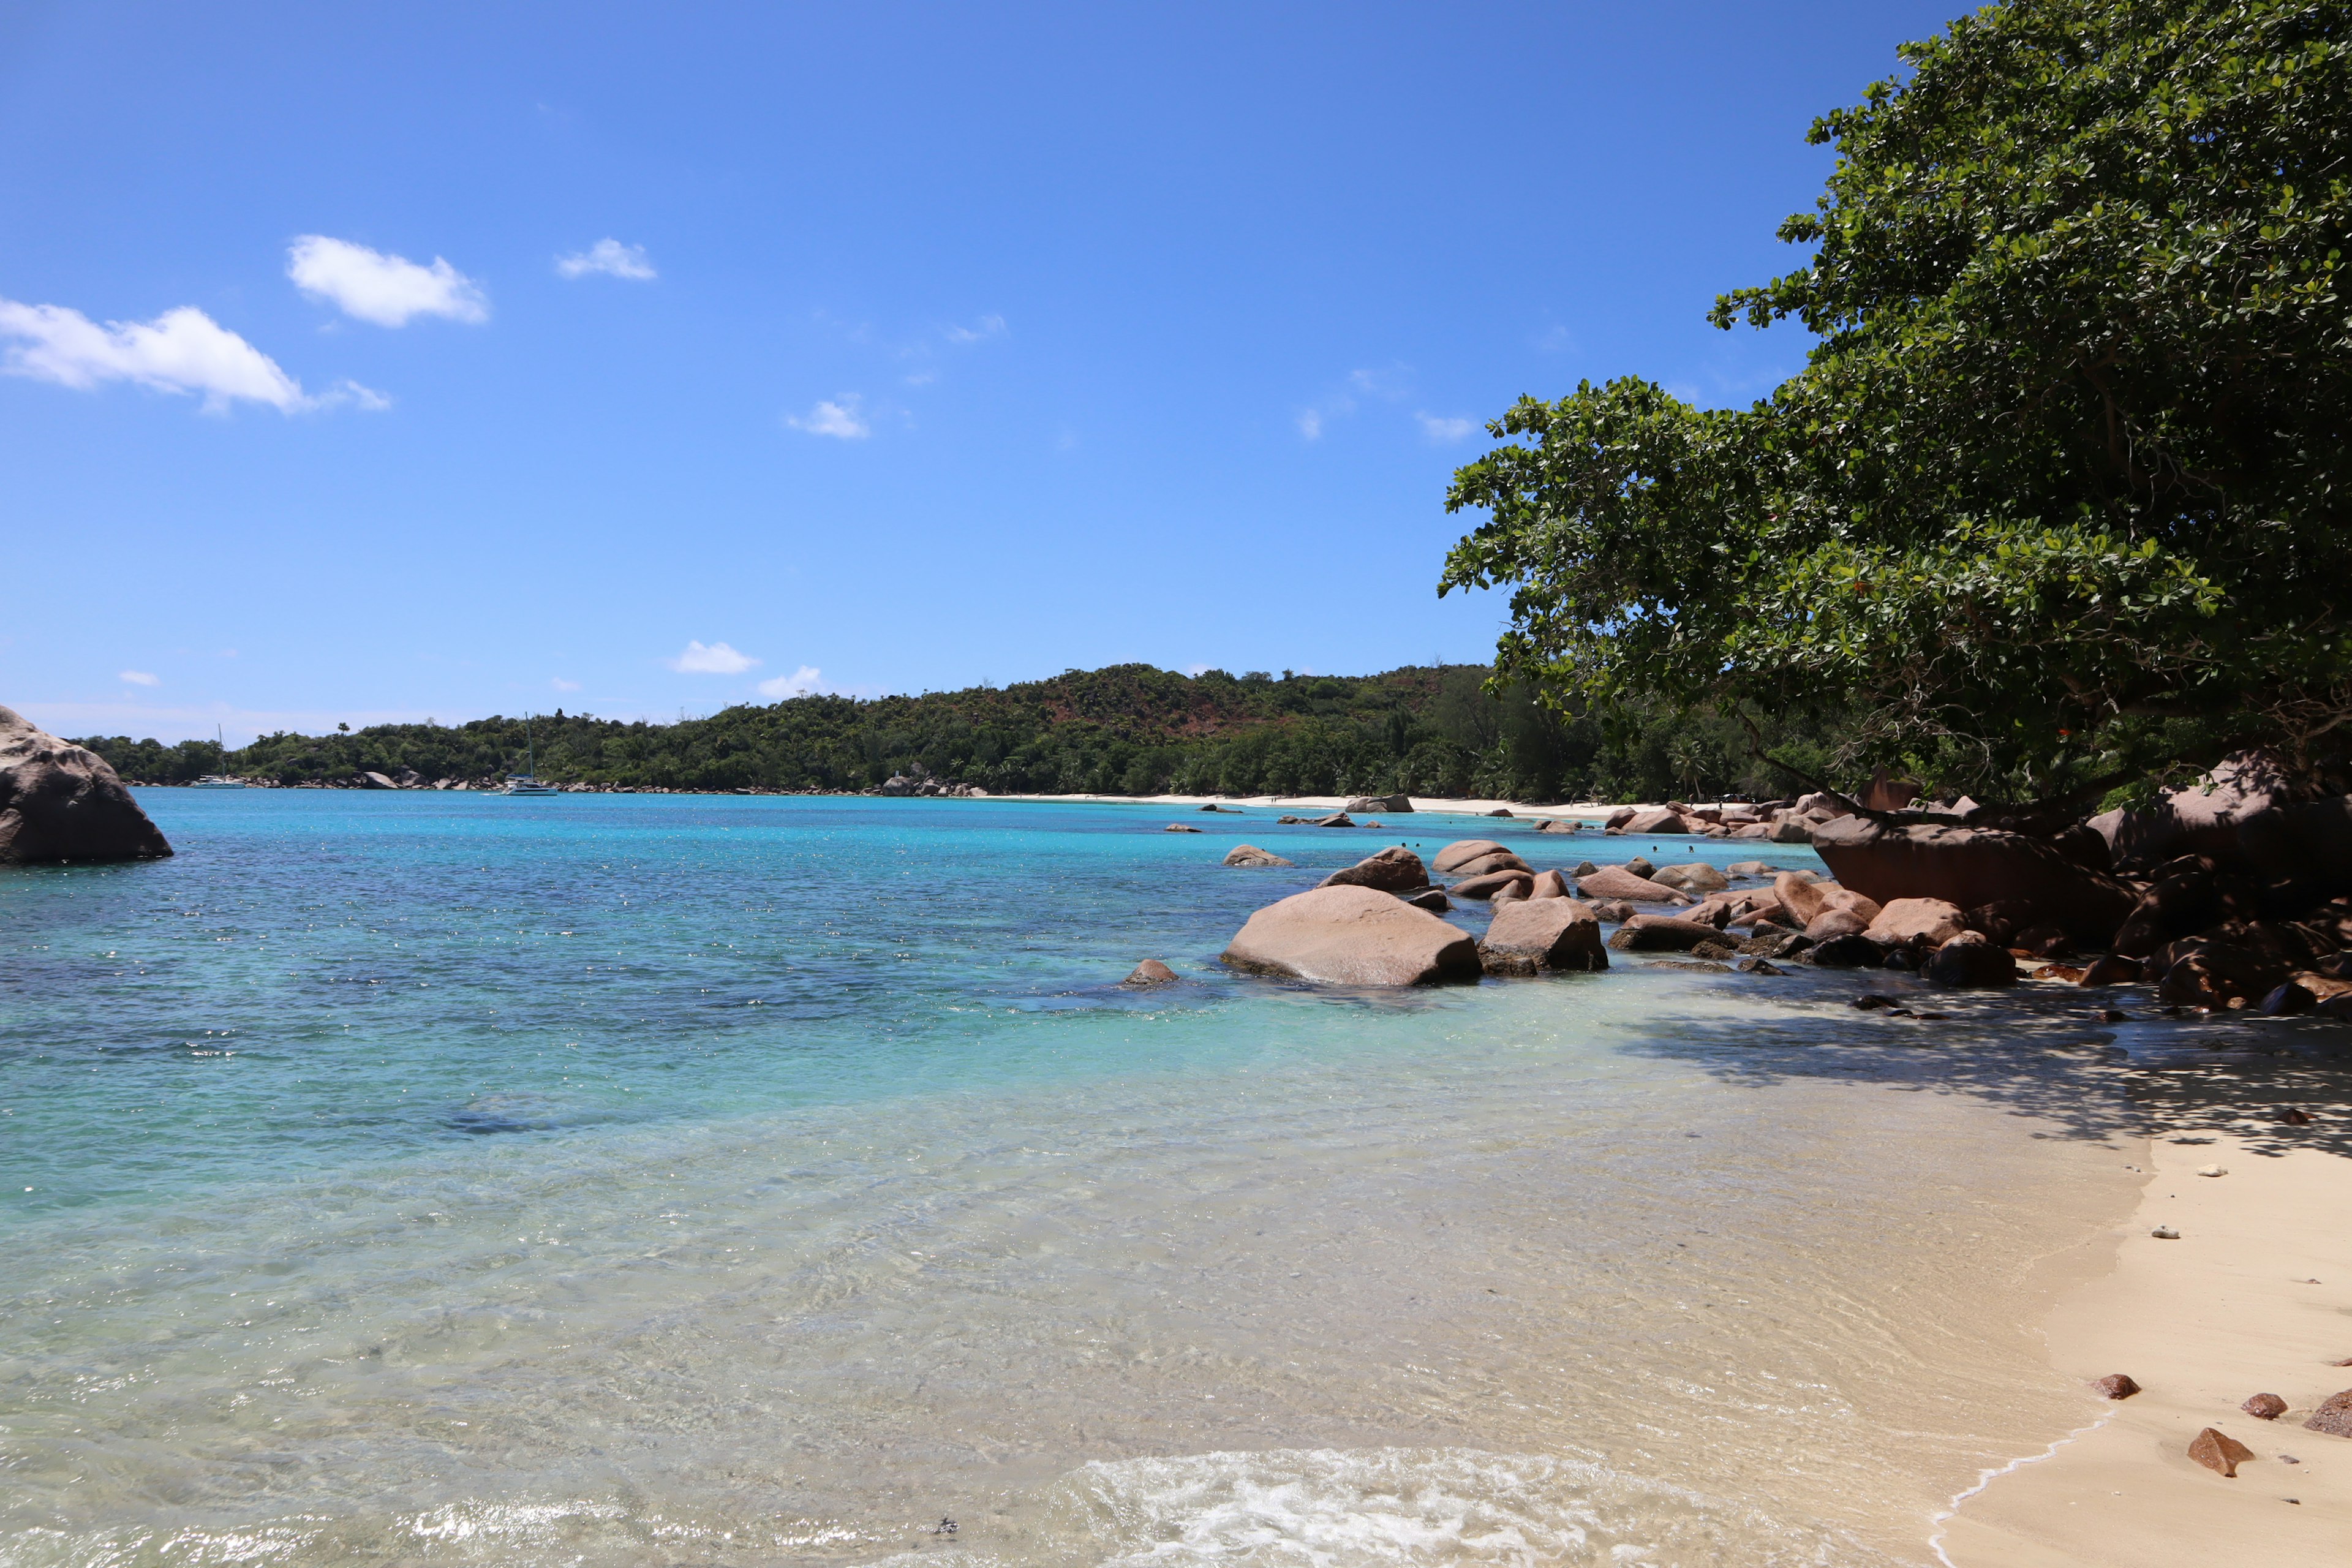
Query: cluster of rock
[2232, 893]
[920, 782]
[61, 803]
[1773, 821]
[1375, 923]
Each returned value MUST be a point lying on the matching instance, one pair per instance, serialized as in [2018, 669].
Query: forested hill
[1128, 729]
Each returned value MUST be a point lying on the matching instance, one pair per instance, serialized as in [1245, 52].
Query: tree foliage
[2059, 500]
[1128, 729]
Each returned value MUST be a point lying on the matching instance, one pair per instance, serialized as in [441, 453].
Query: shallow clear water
[614, 1180]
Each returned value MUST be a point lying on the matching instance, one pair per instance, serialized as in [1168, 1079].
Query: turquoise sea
[614, 1180]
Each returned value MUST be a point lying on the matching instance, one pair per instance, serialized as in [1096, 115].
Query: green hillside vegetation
[1125, 729]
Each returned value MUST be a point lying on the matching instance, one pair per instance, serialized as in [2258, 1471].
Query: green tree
[2059, 500]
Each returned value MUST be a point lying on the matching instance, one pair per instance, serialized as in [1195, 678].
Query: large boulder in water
[1973, 867]
[1394, 804]
[1537, 934]
[60, 802]
[1489, 884]
[1460, 853]
[1352, 936]
[1395, 869]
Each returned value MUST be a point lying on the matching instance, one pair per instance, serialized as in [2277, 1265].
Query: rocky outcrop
[1395, 804]
[1352, 936]
[1537, 934]
[2252, 814]
[1559, 825]
[1337, 820]
[1251, 854]
[1660, 819]
[1151, 972]
[1622, 882]
[1460, 853]
[1971, 867]
[61, 803]
[1395, 869]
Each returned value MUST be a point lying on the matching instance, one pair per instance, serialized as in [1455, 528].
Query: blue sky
[377, 362]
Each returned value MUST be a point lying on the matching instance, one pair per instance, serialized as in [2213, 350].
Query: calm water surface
[617, 1180]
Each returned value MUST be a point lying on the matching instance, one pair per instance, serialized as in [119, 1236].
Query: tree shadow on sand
[2041, 1050]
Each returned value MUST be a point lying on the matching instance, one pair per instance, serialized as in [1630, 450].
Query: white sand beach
[2255, 1297]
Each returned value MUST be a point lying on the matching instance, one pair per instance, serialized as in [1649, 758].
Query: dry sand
[2255, 1297]
[1578, 811]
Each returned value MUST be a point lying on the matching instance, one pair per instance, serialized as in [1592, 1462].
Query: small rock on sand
[2116, 1386]
[2165, 1232]
[2212, 1170]
[2217, 1450]
[2264, 1407]
[2333, 1415]
[1151, 972]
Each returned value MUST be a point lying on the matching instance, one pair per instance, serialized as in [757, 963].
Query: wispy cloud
[802, 682]
[1441, 429]
[836, 417]
[1555, 340]
[1388, 384]
[980, 331]
[715, 659]
[390, 290]
[1310, 423]
[611, 258]
[562, 685]
[181, 351]
[140, 677]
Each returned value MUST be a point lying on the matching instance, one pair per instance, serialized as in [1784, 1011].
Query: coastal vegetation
[1128, 729]
[2056, 509]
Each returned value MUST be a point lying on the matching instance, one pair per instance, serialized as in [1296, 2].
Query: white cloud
[987, 327]
[1439, 429]
[717, 658]
[562, 685]
[140, 677]
[837, 417]
[610, 258]
[1310, 423]
[801, 682]
[182, 349]
[352, 393]
[387, 289]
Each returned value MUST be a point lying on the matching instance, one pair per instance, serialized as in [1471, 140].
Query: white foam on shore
[1325, 1507]
[1986, 1477]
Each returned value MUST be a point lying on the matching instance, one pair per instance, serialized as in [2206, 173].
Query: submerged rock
[1488, 886]
[1151, 972]
[1251, 854]
[1536, 934]
[59, 802]
[1352, 936]
[1969, 960]
[1662, 934]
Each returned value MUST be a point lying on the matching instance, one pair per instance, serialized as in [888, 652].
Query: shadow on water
[2043, 1051]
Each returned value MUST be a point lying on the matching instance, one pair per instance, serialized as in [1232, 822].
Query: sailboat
[526, 782]
[219, 781]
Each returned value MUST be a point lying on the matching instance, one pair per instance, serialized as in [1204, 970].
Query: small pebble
[2165, 1232]
[2211, 1171]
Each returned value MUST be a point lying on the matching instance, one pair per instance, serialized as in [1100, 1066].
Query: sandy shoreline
[2255, 1297]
